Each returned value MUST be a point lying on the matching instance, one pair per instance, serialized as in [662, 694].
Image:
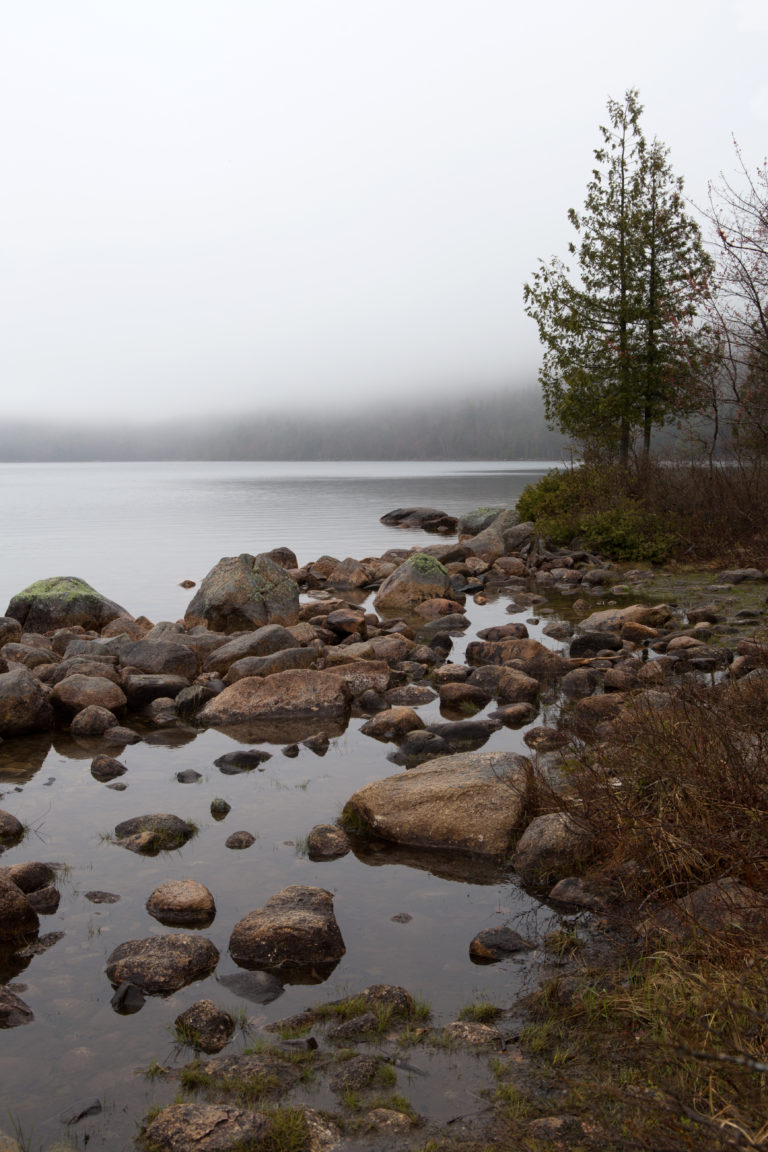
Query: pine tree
[621, 338]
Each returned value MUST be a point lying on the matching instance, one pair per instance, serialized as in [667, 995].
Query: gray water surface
[133, 531]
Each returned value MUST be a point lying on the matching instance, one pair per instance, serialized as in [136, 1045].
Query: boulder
[393, 724]
[471, 802]
[240, 840]
[182, 902]
[205, 1027]
[106, 768]
[93, 720]
[263, 641]
[497, 943]
[471, 523]
[589, 643]
[428, 519]
[30, 876]
[507, 685]
[464, 735]
[652, 615]
[75, 693]
[151, 834]
[362, 675]
[418, 578]
[327, 842]
[30, 655]
[11, 828]
[528, 655]
[162, 964]
[552, 847]
[282, 696]
[161, 657]
[296, 929]
[25, 705]
[713, 909]
[18, 919]
[10, 631]
[487, 545]
[244, 592]
[285, 661]
[13, 1013]
[61, 602]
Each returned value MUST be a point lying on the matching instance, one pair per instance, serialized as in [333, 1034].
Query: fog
[490, 426]
[251, 208]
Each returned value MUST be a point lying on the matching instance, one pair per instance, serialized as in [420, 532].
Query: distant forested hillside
[484, 427]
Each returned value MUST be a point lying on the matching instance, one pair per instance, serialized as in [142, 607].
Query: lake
[134, 531]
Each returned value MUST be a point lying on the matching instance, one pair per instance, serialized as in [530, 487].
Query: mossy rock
[62, 602]
[242, 593]
[421, 577]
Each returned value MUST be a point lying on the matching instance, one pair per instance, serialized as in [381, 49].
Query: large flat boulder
[295, 930]
[62, 602]
[261, 642]
[162, 964]
[207, 1128]
[75, 693]
[470, 802]
[652, 615]
[288, 695]
[25, 705]
[243, 593]
[420, 577]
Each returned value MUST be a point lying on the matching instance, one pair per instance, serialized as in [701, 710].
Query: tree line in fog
[493, 426]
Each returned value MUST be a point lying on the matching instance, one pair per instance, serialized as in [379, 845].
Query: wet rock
[45, 901]
[121, 736]
[354, 1074]
[18, 919]
[75, 693]
[41, 944]
[579, 683]
[11, 829]
[159, 832]
[472, 1034]
[507, 685]
[471, 523]
[513, 715]
[420, 745]
[264, 641]
[98, 897]
[24, 704]
[240, 840]
[127, 999]
[219, 808]
[13, 1011]
[161, 964]
[473, 802]
[498, 943]
[428, 519]
[29, 876]
[206, 1128]
[394, 724]
[105, 768]
[575, 892]
[465, 735]
[260, 987]
[61, 602]
[418, 578]
[410, 695]
[182, 902]
[319, 743]
[357, 1026]
[141, 688]
[529, 657]
[463, 697]
[652, 615]
[93, 720]
[244, 592]
[552, 846]
[487, 545]
[363, 675]
[188, 776]
[296, 928]
[327, 842]
[161, 657]
[243, 760]
[190, 700]
[589, 643]
[545, 739]
[283, 696]
[287, 660]
[10, 631]
[31, 656]
[205, 1027]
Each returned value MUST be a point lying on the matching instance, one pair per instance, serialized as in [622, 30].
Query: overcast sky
[210, 205]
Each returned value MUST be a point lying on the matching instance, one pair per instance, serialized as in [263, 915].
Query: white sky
[212, 205]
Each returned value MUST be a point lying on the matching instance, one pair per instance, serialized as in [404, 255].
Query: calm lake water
[134, 531]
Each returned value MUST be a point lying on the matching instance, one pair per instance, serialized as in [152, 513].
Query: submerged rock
[205, 1027]
[160, 832]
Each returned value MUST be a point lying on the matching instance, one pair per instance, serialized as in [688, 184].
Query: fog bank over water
[499, 425]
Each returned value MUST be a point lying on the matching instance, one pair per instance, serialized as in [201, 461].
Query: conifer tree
[621, 336]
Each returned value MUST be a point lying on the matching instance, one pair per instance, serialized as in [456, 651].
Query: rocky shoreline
[270, 653]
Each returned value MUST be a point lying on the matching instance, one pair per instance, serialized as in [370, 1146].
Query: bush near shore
[657, 512]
